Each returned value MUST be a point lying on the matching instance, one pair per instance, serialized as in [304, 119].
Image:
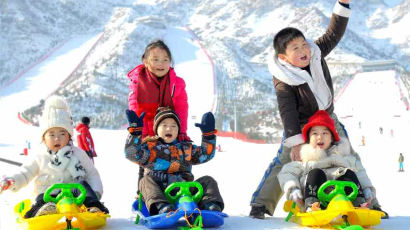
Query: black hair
[283, 37]
[333, 142]
[85, 120]
[156, 44]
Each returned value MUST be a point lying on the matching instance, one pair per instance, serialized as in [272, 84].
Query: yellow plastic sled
[71, 214]
[340, 212]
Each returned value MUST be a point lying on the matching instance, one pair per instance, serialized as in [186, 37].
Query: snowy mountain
[236, 34]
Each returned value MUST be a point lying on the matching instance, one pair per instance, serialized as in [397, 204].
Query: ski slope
[239, 168]
[38, 83]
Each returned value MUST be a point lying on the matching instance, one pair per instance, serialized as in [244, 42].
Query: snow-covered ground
[239, 168]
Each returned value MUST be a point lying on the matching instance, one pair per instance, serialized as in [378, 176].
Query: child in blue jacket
[167, 160]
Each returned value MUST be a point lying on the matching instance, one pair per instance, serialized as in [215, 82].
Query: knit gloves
[207, 126]
[135, 123]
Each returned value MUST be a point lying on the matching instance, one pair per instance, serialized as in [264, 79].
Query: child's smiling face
[158, 62]
[297, 53]
[320, 137]
[56, 138]
[168, 130]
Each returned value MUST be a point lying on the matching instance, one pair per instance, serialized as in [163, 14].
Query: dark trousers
[317, 177]
[153, 192]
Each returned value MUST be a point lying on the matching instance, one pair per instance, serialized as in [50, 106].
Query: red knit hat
[321, 117]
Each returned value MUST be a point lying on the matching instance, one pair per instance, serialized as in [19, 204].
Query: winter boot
[212, 206]
[96, 206]
[257, 212]
[34, 209]
[164, 207]
[312, 204]
[47, 209]
[359, 201]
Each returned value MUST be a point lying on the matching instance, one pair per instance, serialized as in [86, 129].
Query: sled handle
[339, 189]
[184, 190]
[66, 192]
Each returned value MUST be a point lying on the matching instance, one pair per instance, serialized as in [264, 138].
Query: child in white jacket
[58, 161]
[324, 157]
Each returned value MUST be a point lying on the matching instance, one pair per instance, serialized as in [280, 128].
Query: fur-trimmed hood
[308, 153]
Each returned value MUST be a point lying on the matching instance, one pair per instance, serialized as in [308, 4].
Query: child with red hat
[324, 156]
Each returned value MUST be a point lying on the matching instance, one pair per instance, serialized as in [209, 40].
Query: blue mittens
[207, 125]
[135, 123]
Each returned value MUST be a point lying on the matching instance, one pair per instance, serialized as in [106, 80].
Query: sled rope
[198, 221]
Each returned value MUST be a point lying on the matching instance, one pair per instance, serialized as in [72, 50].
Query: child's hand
[207, 124]
[135, 123]
[5, 184]
[296, 196]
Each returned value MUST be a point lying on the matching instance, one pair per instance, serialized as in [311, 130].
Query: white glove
[296, 195]
[368, 194]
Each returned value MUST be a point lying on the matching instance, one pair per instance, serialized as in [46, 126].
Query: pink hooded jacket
[179, 99]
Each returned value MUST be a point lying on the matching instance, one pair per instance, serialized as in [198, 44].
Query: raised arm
[151, 153]
[205, 152]
[336, 28]
[133, 146]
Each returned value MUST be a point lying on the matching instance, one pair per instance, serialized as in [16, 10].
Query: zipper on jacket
[173, 90]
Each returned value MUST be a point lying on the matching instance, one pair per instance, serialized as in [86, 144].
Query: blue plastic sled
[186, 209]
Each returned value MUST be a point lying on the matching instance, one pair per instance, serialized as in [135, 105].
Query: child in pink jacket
[154, 84]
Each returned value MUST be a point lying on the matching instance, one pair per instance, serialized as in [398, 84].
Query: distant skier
[84, 139]
[363, 141]
[381, 130]
[26, 148]
[219, 148]
[401, 159]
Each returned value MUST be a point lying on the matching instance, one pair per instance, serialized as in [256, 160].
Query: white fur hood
[308, 153]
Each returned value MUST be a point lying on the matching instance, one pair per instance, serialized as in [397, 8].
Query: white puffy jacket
[44, 175]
